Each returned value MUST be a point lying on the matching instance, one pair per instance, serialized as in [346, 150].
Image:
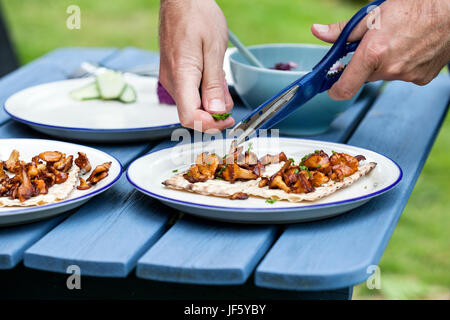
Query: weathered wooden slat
[15, 240]
[69, 59]
[195, 251]
[336, 252]
[131, 57]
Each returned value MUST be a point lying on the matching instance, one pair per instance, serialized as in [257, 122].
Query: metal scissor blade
[262, 114]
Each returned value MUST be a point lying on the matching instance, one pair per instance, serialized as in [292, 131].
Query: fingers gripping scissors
[321, 78]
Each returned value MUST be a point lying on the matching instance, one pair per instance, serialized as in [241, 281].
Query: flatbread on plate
[222, 188]
[57, 192]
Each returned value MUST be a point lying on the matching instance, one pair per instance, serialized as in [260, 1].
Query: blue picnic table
[128, 245]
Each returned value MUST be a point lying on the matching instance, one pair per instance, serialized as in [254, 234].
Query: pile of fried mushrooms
[313, 170]
[24, 180]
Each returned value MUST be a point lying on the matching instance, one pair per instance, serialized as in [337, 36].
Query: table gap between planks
[122, 230]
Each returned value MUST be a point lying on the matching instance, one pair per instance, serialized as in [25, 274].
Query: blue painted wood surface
[15, 240]
[105, 237]
[132, 57]
[337, 252]
[344, 125]
[200, 252]
[108, 235]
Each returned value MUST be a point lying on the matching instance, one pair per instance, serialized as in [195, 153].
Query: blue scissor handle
[341, 47]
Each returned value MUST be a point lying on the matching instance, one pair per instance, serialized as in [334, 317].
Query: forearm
[193, 39]
[411, 43]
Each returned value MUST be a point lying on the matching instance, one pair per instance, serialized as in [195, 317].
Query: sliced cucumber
[128, 95]
[110, 84]
[87, 92]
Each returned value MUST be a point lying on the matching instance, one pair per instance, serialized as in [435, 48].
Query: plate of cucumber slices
[109, 107]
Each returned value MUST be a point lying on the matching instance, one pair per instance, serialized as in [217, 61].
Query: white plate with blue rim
[163, 163]
[49, 108]
[29, 148]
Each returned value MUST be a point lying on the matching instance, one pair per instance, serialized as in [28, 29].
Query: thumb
[330, 32]
[213, 94]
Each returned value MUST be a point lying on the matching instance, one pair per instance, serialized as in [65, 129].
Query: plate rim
[29, 122]
[61, 203]
[252, 209]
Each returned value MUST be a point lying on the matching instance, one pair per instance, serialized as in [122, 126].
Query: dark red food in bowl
[285, 66]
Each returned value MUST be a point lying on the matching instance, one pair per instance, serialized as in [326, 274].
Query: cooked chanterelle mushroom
[100, 172]
[344, 165]
[26, 189]
[83, 163]
[51, 156]
[313, 171]
[64, 164]
[2, 172]
[318, 161]
[204, 168]
[233, 172]
[83, 185]
[10, 164]
[23, 180]
[268, 159]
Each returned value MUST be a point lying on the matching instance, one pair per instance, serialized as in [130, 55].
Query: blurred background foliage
[416, 263]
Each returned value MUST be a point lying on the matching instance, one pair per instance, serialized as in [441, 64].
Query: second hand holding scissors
[320, 79]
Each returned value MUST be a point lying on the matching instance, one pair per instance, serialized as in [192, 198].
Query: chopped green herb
[333, 152]
[225, 156]
[245, 121]
[296, 171]
[292, 160]
[188, 174]
[175, 171]
[375, 185]
[219, 178]
[271, 201]
[319, 165]
[221, 170]
[316, 151]
[303, 168]
[335, 182]
[310, 174]
[250, 147]
[306, 157]
[220, 116]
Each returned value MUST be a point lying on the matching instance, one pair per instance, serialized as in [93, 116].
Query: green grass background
[416, 263]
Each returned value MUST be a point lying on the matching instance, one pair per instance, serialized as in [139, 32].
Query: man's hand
[412, 44]
[193, 40]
